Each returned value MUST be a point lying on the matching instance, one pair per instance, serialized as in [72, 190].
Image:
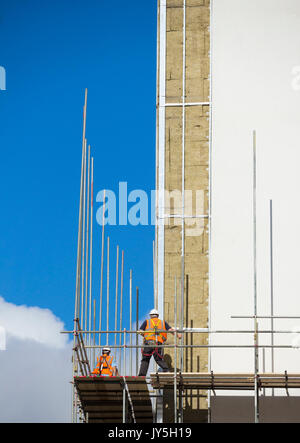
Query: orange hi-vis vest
[104, 365]
[153, 325]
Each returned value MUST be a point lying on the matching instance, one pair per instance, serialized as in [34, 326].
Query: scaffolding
[128, 397]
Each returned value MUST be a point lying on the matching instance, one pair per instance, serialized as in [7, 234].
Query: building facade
[183, 185]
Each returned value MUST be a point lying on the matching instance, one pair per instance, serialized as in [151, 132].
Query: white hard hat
[106, 349]
[154, 312]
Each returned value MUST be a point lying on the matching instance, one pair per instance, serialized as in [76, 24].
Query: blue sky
[51, 51]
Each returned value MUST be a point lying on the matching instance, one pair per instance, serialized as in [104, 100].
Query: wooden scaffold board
[101, 399]
[217, 381]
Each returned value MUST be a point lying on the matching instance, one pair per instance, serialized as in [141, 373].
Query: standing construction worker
[152, 339]
[104, 364]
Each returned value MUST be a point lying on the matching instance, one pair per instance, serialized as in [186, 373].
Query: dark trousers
[148, 351]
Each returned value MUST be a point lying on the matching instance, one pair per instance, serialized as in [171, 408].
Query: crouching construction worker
[104, 365]
[152, 339]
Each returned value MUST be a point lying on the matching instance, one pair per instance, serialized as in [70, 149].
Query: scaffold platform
[128, 399]
[107, 399]
[216, 381]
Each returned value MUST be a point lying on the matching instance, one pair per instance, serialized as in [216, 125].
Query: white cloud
[36, 366]
[32, 323]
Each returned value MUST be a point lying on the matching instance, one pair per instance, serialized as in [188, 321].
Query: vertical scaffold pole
[83, 239]
[94, 355]
[102, 265]
[87, 242]
[91, 253]
[154, 278]
[256, 369]
[78, 265]
[124, 387]
[107, 294]
[180, 415]
[211, 28]
[272, 289]
[182, 280]
[137, 328]
[175, 353]
[130, 319]
[160, 231]
[183, 147]
[79, 240]
[264, 366]
[116, 302]
[121, 308]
